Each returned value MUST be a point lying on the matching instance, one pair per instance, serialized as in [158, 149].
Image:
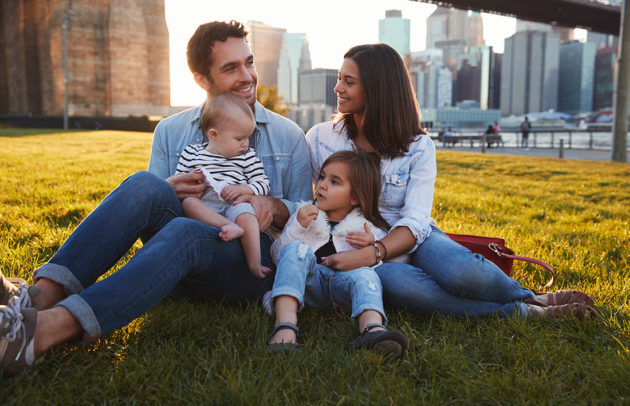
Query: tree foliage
[268, 97]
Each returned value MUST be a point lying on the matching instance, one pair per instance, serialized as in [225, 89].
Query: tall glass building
[529, 72]
[577, 69]
[294, 57]
[394, 30]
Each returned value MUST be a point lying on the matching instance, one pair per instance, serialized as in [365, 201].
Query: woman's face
[350, 95]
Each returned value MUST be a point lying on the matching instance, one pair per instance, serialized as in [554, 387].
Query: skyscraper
[529, 72]
[316, 86]
[577, 67]
[394, 30]
[452, 30]
[604, 77]
[266, 43]
[433, 84]
[475, 71]
[294, 57]
[602, 40]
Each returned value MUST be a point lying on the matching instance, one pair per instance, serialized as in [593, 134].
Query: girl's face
[350, 95]
[334, 192]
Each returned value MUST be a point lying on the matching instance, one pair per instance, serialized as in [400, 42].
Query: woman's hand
[349, 260]
[307, 214]
[358, 239]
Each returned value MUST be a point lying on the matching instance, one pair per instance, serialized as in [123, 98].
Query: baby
[231, 169]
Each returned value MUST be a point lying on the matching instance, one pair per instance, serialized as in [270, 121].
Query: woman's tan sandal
[561, 297]
[581, 311]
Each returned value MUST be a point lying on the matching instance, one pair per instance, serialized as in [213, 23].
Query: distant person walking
[525, 127]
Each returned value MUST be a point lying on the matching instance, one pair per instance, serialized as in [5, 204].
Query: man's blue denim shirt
[279, 144]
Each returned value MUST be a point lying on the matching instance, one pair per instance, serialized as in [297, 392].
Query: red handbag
[494, 249]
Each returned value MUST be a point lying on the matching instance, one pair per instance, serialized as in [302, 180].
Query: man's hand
[359, 239]
[188, 184]
[307, 214]
[231, 192]
[267, 210]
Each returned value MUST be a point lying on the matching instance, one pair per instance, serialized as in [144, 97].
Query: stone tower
[118, 57]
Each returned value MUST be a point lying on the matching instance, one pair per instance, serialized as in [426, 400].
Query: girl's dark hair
[391, 120]
[364, 173]
[199, 50]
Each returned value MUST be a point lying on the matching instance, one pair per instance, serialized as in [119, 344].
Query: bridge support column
[622, 87]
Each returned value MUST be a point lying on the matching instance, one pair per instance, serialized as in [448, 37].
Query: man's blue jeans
[179, 254]
[445, 277]
[298, 275]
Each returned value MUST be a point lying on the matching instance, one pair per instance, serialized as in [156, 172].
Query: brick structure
[118, 57]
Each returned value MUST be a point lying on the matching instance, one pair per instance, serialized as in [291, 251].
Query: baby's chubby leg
[250, 240]
[195, 209]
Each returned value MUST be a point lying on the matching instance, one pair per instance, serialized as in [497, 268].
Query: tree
[268, 97]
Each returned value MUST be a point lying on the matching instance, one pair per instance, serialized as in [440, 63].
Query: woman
[378, 113]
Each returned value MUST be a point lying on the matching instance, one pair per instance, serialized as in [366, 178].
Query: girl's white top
[407, 182]
[319, 231]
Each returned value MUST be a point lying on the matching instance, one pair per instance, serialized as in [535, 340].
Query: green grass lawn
[574, 215]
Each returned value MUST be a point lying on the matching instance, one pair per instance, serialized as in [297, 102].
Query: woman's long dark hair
[364, 175]
[392, 119]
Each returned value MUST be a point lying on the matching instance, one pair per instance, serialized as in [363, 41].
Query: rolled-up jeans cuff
[61, 275]
[287, 291]
[357, 312]
[84, 314]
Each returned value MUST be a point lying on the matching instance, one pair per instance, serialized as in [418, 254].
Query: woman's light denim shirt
[407, 182]
[279, 144]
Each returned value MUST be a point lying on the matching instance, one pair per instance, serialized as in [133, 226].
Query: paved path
[578, 154]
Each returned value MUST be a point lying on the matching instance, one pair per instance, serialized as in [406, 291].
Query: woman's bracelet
[377, 251]
[384, 248]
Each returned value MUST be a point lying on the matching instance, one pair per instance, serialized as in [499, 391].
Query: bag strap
[502, 253]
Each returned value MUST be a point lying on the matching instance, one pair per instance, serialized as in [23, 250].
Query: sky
[331, 28]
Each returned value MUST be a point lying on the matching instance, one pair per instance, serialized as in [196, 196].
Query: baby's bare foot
[230, 232]
[259, 271]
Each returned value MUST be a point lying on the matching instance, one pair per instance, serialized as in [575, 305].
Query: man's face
[233, 70]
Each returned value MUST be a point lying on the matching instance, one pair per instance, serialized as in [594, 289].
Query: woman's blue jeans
[298, 275]
[445, 277]
[180, 256]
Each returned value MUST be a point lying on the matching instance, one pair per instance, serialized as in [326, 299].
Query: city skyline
[330, 27]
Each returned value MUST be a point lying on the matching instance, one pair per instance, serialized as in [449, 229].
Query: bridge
[605, 16]
[597, 15]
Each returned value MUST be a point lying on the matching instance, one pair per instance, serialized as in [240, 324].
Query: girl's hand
[349, 260]
[307, 214]
[359, 239]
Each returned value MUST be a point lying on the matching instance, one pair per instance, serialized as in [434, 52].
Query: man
[180, 256]
[525, 127]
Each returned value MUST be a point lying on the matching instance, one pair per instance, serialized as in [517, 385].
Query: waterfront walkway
[574, 153]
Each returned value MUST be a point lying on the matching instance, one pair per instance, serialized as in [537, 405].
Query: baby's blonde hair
[220, 108]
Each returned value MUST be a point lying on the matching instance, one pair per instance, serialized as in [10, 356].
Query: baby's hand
[259, 271]
[231, 192]
[359, 239]
[307, 214]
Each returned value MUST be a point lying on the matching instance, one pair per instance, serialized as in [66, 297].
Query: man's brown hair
[199, 50]
[364, 173]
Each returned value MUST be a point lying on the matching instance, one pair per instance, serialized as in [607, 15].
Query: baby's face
[232, 137]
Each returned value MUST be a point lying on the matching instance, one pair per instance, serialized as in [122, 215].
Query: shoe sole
[389, 348]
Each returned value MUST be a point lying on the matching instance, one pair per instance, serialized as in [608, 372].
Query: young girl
[345, 217]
